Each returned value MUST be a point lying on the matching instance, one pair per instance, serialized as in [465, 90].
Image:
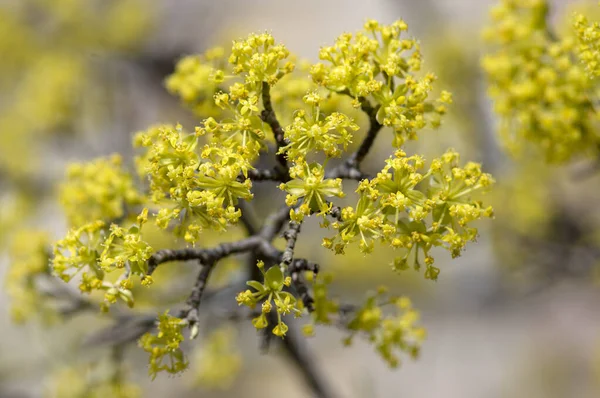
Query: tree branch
[268, 116]
[276, 174]
[374, 128]
[191, 313]
[291, 235]
[274, 223]
[347, 171]
[248, 217]
[298, 266]
[351, 167]
[268, 175]
[211, 255]
[294, 267]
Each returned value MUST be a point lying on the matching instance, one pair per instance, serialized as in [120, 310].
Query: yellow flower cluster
[389, 332]
[259, 59]
[92, 251]
[201, 190]
[355, 63]
[309, 183]
[325, 307]
[289, 94]
[414, 211]
[88, 382]
[268, 292]
[589, 44]
[244, 132]
[98, 190]
[541, 92]
[164, 350]
[314, 132]
[196, 80]
[200, 82]
[199, 78]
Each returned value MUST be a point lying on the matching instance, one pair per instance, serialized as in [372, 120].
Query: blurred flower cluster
[543, 85]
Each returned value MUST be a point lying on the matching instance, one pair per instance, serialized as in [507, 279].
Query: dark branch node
[275, 174]
[336, 212]
[297, 267]
[291, 235]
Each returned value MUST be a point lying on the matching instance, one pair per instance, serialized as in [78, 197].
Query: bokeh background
[515, 316]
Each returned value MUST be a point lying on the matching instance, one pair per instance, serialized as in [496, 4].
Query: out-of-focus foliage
[48, 47]
[543, 85]
[94, 380]
[457, 65]
[50, 50]
[30, 256]
[216, 364]
[389, 332]
[163, 347]
[97, 190]
[525, 213]
[542, 79]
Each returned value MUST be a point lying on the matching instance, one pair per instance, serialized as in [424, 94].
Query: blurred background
[514, 316]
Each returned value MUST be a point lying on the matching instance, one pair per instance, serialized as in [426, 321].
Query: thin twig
[268, 175]
[347, 171]
[210, 255]
[350, 169]
[191, 313]
[302, 265]
[374, 128]
[268, 116]
[248, 217]
[274, 223]
[62, 292]
[297, 267]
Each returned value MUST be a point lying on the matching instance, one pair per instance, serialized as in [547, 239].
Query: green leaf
[380, 115]
[274, 279]
[259, 287]
[191, 141]
[417, 226]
